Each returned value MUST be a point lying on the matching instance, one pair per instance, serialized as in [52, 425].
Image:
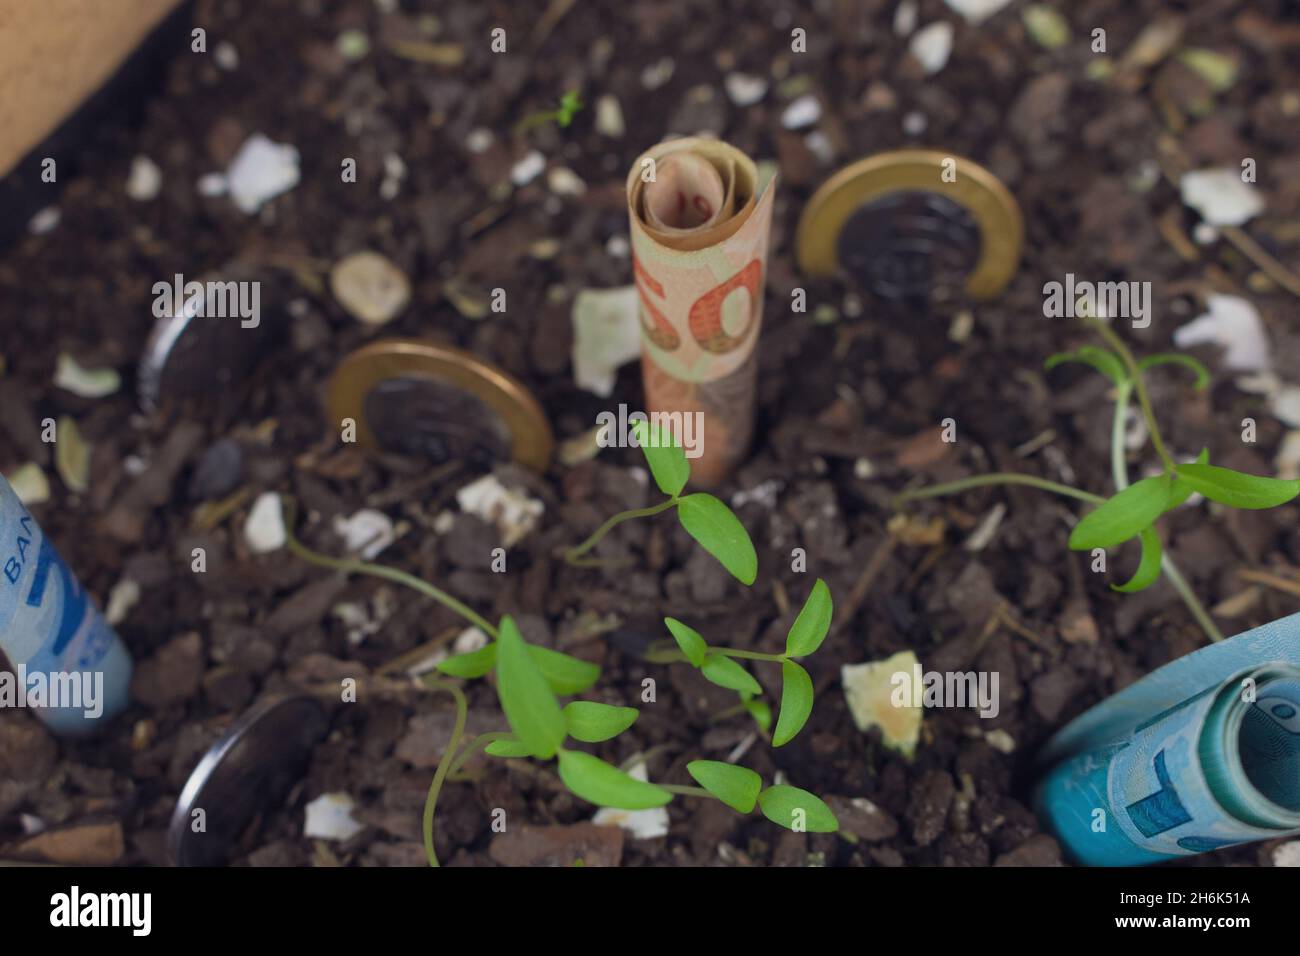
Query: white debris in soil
[905, 18]
[618, 247]
[870, 691]
[977, 11]
[1135, 429]
[745, 89]
[931, 46]
[658, 73]
[863, 469]
[362, 619]
[1234, 324]
[642, 824]
[606, 336]
[45, 221]
[819, 144]
[979, 538]
[512, 513]
[260, 171]
[1220, 196]
[1287, 462]
[803, 112]
[29, 483]
[609, 117]
[226, 56]
[915, 123]
[264, 529]
[1284, 403]
[1203, 234]
[124, 596]
[963, 323]
[211, 185]
[528, 168]
[479, 140]
[87, 383]
[352, 45]
[394, 174]
[329, 817]
[579, 448]
[763, 494]
[1287, 854]
[563, 181]
[1000, 741]
[370, 287]
[144, 181]
[469, 640]
[366, 533]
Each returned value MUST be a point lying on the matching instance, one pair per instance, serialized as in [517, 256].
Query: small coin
[208, 341]
[892, 223]
[249, 771]
[438, 402]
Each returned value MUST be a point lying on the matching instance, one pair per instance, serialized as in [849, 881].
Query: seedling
[1133, 510]
[531, 679]
[570, 104]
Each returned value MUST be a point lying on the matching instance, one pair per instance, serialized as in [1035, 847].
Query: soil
[849, 413]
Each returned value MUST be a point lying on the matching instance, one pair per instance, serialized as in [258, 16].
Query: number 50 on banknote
[1200, 754]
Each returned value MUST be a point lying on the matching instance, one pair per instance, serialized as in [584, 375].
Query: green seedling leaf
[796, 702]
[1121, 517]
[591, 722]
[1148, 566]
[725, 672]
[797, 809]
[1108, 363]
[665, 457]
[1175, 358]
[471, 665]
[737, 787]
[605, 785]
[1181, 490]
[719, 532]
[508, 748]
[761, 711]
[530, 707]
[1237, 489]
[811, 625]
[564, 674]
[689, 640]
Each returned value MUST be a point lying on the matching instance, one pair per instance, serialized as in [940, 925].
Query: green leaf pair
[564, 675]
[806, 635]
[540, 727]
[741, 789]
[1112, 366]
[705, 518]
[1133, 511]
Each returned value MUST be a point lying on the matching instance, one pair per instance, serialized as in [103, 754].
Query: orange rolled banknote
[701, 221]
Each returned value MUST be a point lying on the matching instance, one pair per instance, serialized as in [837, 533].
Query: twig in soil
[1275, 581]
[869, 571]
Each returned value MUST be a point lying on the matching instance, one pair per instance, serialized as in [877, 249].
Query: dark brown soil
[872, 384]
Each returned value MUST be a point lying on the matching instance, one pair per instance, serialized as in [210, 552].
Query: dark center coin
[910, 245]
[426, 418]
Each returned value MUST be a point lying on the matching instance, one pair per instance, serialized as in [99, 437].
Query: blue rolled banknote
[1200, 754]
[66, 663]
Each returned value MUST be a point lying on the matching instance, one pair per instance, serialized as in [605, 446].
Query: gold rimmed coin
[913, 224]
[438, 402]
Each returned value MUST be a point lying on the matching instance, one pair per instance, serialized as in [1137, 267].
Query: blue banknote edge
[1115, 718]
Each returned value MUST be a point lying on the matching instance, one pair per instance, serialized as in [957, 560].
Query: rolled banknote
[1200, 754]
[67, 664]
[701, 219]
